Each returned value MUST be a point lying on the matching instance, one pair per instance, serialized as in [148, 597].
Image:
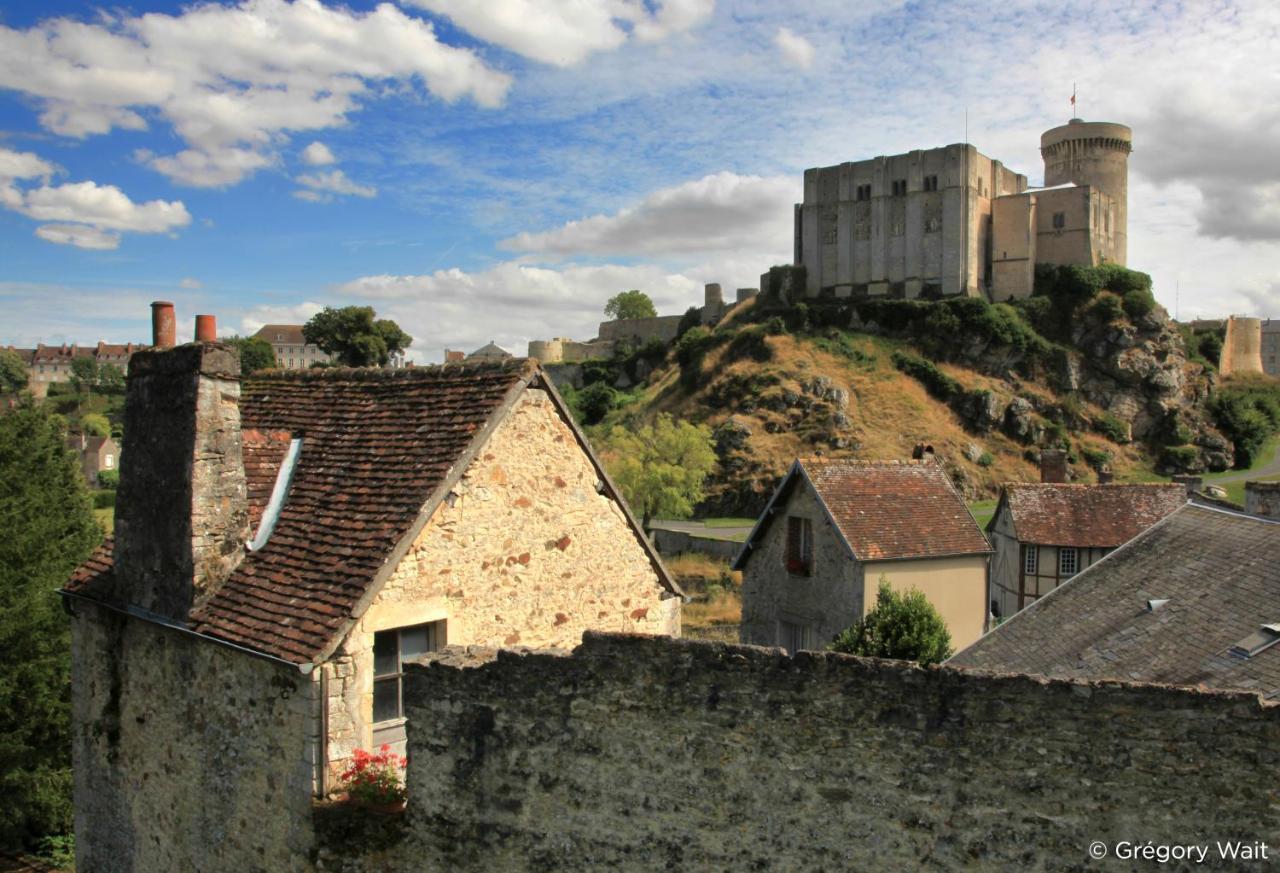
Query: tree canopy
[255, 353]
[355, 337]
[902, 625]
[49, 529]
[13, 373]
[661, 467]
[630, 304]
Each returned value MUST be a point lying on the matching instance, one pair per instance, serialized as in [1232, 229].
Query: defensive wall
[643, 753]
[1242, 347]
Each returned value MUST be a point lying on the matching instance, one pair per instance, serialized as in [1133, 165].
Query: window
[792, 636]
[899, 187]
[1031, 560]
[799, 546]
[1059, 220]
[931, 183]
[1068, 562]
[863, 192]
[108, 461]
[390, 650]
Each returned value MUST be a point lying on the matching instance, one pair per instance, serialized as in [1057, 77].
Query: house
[490, 351]
[317, 528]
[97, 455]
[1045, 533]
[293, 352]
[813, 562]
[1193, 600]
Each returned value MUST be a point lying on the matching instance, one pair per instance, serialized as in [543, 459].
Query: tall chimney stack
[182, 515]
[164, 327]
[1053, 466]
[206, 329]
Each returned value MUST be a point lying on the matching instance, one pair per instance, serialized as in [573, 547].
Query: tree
[661, 467]
[352, 334]
[84, 373]
[110, 379]
[95, 424]
[630, 304]
[13, 373]
[594, 402]
[255, 353]
[49, 529]
[902, 625]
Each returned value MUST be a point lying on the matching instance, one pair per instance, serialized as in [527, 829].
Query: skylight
[1264, 638]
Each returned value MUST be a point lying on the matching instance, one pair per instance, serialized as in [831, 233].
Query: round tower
[1094, 153]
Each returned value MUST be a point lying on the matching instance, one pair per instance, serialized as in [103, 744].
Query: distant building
[52, 364]
[1044, 534]
[490, 351]
[1271, 346]
[293, 352]
[812, 564]
[1191, 601]
[96, 455]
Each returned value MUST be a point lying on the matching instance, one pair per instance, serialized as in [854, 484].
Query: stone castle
[951, 221]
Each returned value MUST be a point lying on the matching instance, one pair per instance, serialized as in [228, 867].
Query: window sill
[390, 723]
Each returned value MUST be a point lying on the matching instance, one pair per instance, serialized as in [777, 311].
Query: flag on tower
[1073, 96]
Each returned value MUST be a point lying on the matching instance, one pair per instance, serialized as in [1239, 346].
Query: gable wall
[955, 586]
[825, 603]
[527, 553]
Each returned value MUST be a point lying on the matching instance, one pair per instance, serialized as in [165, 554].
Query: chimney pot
[1105, 476]
[206, 329]
[164, 327]
[1053, 466]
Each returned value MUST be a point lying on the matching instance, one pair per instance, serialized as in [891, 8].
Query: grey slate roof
[1219, 572]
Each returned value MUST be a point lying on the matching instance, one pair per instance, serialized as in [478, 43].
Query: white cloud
[258, 316]
[191, 284]
[312, 196]
[720, 212]
[336, 182]
[795, 49]
[78, 235]
[233, 81]
[23, 165]
[564, 32]
[317, 155]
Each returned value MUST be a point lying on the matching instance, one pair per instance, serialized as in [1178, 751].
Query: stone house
[293, 352]
[283, 544]
[97, 454]
[1043, 534]
[1192, 600]
[813, 562]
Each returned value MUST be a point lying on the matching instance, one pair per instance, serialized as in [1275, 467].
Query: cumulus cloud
[334, 182]
[317, 155]
[795, 49]
[258, 316]
[84, 214]
[719, 212]
[233, 81]
[564, 32]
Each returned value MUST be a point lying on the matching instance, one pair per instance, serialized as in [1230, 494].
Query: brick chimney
[1105, 476]
[206, 329]
[1191, 483]
[1053, 466]
[182, 515]
[164, 327]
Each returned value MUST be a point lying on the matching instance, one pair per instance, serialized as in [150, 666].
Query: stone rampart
[641, 330]
[642, 754]
[1241, 347]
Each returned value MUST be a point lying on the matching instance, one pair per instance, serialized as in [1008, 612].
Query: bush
[1096, 458]
[594, 402]
[109, 479]
[692, 318]
[1138, 302]
[936, 382]
[1112, 428]
[749, 343]
[1181, 459]
[1106, 308]
[903, 626]
[986, 459]
[104, 499]
[690, 351]
[1248, 413]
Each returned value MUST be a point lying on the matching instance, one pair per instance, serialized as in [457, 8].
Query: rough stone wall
[643, 754]
[824, 603]
[641, 330]
[1262, 498]
[187, 755]
[525, 552]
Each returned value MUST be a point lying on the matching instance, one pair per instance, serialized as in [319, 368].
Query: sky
[498, 170]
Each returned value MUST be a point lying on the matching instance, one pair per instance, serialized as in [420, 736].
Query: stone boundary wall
[641, 330]
[675, 542]
[650, 753]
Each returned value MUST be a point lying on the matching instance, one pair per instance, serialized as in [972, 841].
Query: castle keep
[951, 221]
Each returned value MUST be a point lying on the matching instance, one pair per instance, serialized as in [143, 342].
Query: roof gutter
[165, 622]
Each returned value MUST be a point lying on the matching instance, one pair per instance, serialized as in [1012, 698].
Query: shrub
[936, 382]
[1179, 458]
[109, 479]
[1248, 413]
[692, 318]
[1138, 302]
[1112, 428]
[375, 778]
[749, 343]
[1106, 307]
[1055, 435]
[986, 459]
[690, 351]
[104, 499]
[903, 626]
[1096, 458]
[594, 402]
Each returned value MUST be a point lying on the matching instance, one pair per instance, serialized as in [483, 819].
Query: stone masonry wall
[650, 753]
[187, 755]
[526, 552]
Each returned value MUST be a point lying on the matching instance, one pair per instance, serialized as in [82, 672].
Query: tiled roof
[1086, 516]
[289, 333]
[1220, 575]
[886, 510]
[376, 446]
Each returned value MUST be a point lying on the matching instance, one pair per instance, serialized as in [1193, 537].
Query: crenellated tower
[1094, 153]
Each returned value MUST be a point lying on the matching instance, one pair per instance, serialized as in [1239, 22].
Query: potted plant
[373, 780]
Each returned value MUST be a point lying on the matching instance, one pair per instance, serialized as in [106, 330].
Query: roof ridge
[525, 366]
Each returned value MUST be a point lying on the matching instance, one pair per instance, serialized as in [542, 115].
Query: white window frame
[1031, 561]
[1065, 553]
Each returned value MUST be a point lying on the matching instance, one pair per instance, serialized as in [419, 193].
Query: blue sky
[498, 170]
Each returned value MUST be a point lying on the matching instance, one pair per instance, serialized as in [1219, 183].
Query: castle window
[391, 649]
[1059, 220]
[799, 546]
[931, 183]
[863, 192]
[899, 187]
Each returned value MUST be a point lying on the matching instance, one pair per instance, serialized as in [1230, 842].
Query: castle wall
[187, 755]
[643, 754]
[526, 552]
[1242, 347]
[1013, 247]
[1093, 153]
[641, 330]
